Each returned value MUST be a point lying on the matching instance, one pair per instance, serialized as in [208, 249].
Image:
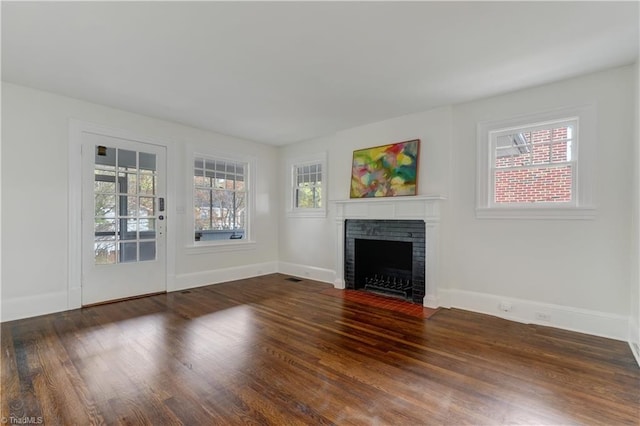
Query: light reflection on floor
[204, 343]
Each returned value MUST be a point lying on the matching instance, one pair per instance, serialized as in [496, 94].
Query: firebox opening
[384, 266]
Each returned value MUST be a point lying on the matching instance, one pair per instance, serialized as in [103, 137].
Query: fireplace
[386, 256]
[424, 210]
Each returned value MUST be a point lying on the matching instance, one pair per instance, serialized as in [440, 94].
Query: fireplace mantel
[425, 207]
[421, 207]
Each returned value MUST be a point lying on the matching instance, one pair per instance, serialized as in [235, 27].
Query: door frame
[76, 130]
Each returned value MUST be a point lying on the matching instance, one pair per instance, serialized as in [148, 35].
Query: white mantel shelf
[391, 199]
[419, 207]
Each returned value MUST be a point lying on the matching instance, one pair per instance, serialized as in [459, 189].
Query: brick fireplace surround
[386, 249]
[423, 208]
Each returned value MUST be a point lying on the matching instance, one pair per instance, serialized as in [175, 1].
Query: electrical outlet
[505, 306]
[543, 316]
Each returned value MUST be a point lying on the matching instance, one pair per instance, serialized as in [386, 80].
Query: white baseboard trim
[530, 312]
[216, 276]
[33, 306]
[634, 339]
[525, 311]
[635, 350]
[305, 271]
[431, 302]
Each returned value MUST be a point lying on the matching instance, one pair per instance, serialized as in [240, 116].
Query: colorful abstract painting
[385, 171]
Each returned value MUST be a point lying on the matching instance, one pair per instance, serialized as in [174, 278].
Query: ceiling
[282, 72]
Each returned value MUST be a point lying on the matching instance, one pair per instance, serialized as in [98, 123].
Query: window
[537, 166]
[125, 193]
[308, 187]
[308, 196]
[534, 164]
[220, 199]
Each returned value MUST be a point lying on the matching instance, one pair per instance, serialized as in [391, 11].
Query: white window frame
[582, 161]
[247, 243]
[292, 165]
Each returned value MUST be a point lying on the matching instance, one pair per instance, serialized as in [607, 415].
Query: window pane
[132, 225]
[228, 207]
[128, 228]
[230, 183]
[202, 209]
[130, 203]
[308, 180]
[106, 160]
[105, 252]
[304, 197]
[219, 183]
[105, 225]
[146, 229]
[147, 161]
[534, 185]
[541, 154]
[202, 219]
[126, 159]
[105, 205]
[147, 206]
[219, 212]
[147, 250]
[105, 181]
[106, 238]
[147, 183]
[513, 150]
[201, 181]
[128, 252]
[210, 164]
[560, 152]
[104, 186]
[128, 183]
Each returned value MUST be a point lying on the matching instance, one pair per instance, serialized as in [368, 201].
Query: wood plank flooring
[269, 351]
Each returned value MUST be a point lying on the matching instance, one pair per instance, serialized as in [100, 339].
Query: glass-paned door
[123, 189]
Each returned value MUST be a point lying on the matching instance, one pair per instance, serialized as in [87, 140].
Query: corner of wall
[216, 276]
[306, 271]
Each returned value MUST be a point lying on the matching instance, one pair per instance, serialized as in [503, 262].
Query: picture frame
[386, 170]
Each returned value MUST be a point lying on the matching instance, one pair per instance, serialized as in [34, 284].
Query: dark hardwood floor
[269, 351]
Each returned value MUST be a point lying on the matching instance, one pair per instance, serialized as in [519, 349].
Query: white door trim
[76, 128]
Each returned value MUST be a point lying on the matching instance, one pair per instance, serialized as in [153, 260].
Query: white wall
[307, 244]
[35, 164]
[575, 272]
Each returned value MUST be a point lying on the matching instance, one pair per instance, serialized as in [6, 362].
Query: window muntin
[307, 190]
[534, 164]
[124, 206]
[220, 199]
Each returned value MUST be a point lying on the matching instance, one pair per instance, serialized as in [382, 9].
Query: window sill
[307, 213]
[536, 213]
[220, 247]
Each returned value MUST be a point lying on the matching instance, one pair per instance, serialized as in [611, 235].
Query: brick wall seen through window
[534, 165]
